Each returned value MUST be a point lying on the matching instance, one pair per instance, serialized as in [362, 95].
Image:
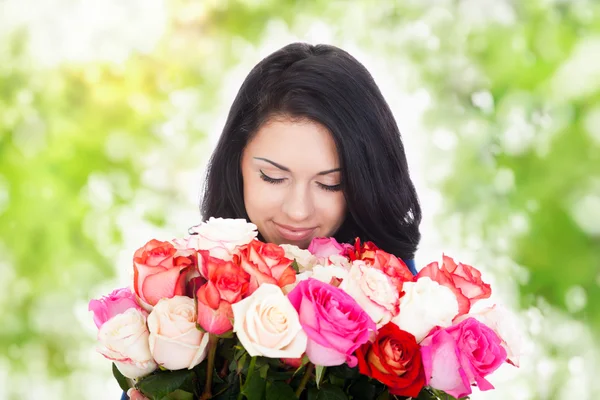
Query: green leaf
[254, 387]
[344, 371]
[263, 371]
[295, 266]
[331, 392]
[280, 391]
[365, 388]
[121, 380]
[226, 335]
[160, 384]
[320, 371]
[179, 395]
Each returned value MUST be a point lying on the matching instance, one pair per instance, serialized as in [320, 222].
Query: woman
[311, 149]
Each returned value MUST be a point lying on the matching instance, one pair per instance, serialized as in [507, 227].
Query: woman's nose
[298, 204]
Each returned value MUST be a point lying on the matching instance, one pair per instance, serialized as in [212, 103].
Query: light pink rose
[175, 342]
[124, 340]
[460, 356]
[119, 301]
[325, 247]
[333, 321]
[374, 291]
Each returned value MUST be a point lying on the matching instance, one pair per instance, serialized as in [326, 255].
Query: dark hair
[327, 85]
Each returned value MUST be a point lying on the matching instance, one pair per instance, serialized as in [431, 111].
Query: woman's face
[292, 190]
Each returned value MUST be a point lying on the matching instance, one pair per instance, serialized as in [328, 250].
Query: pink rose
[226, 284]
[333, 321]
[460, 356]
[265, 263]
[325, 247]
[115, 303]
[160, 271]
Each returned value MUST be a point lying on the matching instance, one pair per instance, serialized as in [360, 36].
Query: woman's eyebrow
[281, 167]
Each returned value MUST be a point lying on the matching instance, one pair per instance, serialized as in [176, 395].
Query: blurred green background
[109, 110]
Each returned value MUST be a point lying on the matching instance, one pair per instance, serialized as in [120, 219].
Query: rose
[266, 263]
[226, 284]
[325, 247]
[331, 274]
[373, 291]
[425, 304]
[462, 355]
[221, 236]
[175, 342]
[391, 265]
[267, 324]
[501, 321]
[304, 259]
[393, 359]
[124, 340]
[115, 303]
[464, 281]
[135, 394]
[159, 272]
[334, 323]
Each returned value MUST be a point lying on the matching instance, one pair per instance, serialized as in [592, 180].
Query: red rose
[159, 272]
[266, 263]
[389, 264]
[393, 359]
[227, 283]
[464, 281]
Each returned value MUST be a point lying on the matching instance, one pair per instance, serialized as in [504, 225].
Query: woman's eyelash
[332, 188]
[268, 179]
[329, 188]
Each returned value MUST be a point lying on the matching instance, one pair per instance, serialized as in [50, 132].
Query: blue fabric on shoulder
[411, 265]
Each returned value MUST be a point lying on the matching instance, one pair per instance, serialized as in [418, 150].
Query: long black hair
[324, 84]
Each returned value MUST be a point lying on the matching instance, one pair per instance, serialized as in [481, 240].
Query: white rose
[425, 304]
[124, 339]
[503, 322]
[220, 236]
[304, 258]
[341, 261]
[268, 325]
[373, 291]
[327, 273]
[175, 342]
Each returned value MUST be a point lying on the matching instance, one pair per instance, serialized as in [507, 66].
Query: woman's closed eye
[330, 188]
[268, 179]
[275, 181]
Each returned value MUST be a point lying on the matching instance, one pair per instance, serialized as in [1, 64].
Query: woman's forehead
[295, 144]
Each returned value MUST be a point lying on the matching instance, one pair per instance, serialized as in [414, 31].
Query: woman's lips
[293, 233]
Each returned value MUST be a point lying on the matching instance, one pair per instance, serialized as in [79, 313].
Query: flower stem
[212, 351]
[309, 370]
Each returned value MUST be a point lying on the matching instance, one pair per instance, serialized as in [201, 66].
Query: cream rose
[425, 304]
[220, 236]
[373, 291]
[124, 340]
[267, 324]
[304, 258]
[175, 342]
[328, 273]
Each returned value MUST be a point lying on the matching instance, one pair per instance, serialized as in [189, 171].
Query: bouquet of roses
[220, 314]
